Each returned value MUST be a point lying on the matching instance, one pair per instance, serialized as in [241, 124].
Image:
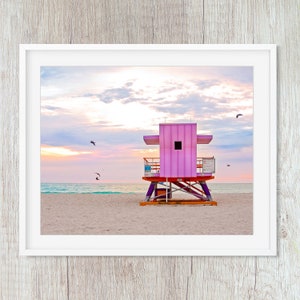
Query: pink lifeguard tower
[178, 168]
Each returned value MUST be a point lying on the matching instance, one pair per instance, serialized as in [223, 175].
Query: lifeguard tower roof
[154, 139]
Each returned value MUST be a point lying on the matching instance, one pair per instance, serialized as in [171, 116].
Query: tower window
[178, 145]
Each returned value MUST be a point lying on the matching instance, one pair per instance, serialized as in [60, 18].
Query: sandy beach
[81, 214]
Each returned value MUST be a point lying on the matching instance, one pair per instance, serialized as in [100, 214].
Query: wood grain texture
[281, 26]
[155, 21]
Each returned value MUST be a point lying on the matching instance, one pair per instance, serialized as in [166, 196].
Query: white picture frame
[263, 240]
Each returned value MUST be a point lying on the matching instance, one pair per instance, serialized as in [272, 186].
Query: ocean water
[129, 188]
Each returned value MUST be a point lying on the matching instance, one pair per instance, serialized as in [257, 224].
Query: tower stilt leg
[206, 190]
[150, 191]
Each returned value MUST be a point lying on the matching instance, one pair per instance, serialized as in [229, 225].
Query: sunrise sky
[116, 106]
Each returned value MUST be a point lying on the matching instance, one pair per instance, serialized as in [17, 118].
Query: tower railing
[204, 165]
[151, 166]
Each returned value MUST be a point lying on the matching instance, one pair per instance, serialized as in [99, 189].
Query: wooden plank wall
[153, 21]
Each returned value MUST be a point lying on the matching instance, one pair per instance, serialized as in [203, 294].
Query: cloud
[204, 84]
[242, 74]
[237, 74]
[49, 107]
[111, 95]
[74, 80]
[60, 151]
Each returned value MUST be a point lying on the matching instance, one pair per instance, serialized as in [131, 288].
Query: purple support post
[206, 190]
[150, 191]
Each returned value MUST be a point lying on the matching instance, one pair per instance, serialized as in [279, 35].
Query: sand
[121, 214]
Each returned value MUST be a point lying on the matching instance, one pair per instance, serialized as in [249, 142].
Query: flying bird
[98, 176]
[92, 142]
[238, 115]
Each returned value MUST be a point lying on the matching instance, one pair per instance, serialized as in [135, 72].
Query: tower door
[178, 150]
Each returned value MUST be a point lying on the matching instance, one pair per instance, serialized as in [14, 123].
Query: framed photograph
[148, 150]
